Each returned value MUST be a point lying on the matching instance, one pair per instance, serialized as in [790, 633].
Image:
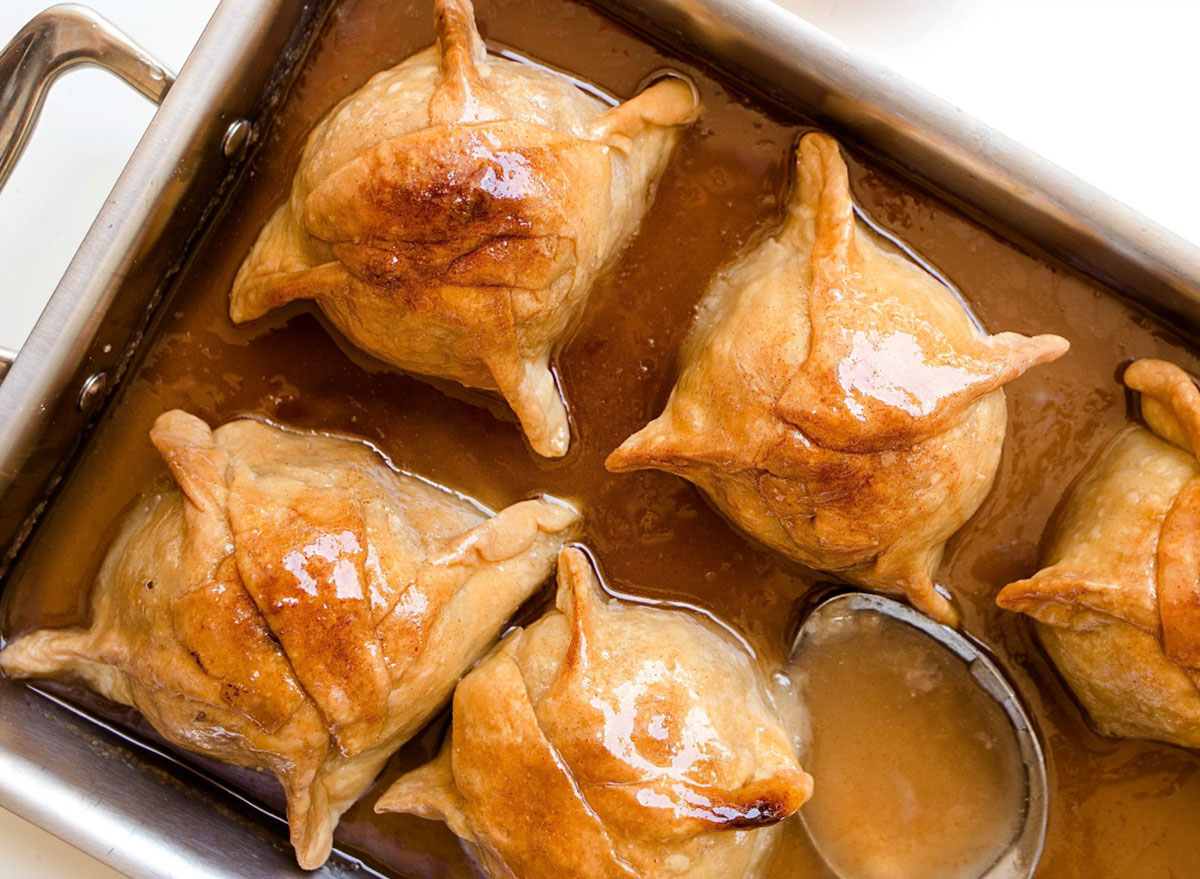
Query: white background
[1104, 88]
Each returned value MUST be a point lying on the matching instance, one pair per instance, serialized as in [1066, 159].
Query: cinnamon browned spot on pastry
[451, 216]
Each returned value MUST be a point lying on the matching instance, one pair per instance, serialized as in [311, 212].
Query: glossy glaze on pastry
[1117, 601]
[611, 740]
[296, 605]
[835, 399]
[451, 216]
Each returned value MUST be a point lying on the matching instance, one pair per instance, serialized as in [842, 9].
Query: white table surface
[1104, 88]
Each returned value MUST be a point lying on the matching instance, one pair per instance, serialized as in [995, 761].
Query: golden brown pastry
[835, 400]
[451, 216]
[1117, 601]
[295, 605]
[611, 740]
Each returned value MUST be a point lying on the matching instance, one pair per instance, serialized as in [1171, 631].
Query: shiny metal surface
[58, 39]
[126, 806]
[1021, 858]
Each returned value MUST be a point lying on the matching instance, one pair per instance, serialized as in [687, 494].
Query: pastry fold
[293, 604]
[835, 400]
[611, 740]
[1117, 601]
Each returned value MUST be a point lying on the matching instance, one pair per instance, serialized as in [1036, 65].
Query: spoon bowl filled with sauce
[927, 763]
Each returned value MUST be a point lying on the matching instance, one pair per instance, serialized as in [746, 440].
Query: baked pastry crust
[1117, 601]
[611, 740]
[293, 604]
[835, 400]
[451, 216]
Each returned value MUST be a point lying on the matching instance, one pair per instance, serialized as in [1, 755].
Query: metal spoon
[1020, 859]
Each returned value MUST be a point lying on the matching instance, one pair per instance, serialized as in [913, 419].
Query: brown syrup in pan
[1118, 808]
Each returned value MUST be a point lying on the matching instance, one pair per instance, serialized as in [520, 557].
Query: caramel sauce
[920, 767]
[1123, 809]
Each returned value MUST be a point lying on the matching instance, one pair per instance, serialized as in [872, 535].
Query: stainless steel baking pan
[140, 809]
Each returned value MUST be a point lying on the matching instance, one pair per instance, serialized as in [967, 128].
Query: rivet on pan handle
[7, 356]
[53, 42]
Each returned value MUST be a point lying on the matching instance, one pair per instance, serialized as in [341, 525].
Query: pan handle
[53, 42]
